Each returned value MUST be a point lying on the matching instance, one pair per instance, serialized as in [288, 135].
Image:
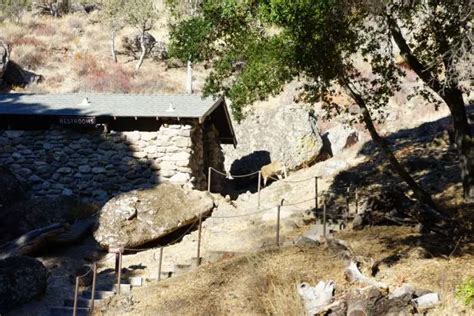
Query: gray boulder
[138, 217]
[341, 137]
[287, 134]
[21, 280]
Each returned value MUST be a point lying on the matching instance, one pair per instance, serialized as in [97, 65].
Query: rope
[83, 275]
[243, 215]
[234, 176]
[301, 202]
[293, 181]
[174, 241]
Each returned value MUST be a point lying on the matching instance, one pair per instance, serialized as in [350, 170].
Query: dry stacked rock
[95, 166]
[138, 217]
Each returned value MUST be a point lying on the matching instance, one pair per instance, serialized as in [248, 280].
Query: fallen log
[316, 299]
[353, 274]
[32, 241]
[76, 232]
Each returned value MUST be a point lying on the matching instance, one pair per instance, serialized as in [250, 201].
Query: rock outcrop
[11, 73]
[286, 134]
[21, 280]
[341, 137]
[138, 217]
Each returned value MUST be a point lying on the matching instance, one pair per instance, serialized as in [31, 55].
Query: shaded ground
[428, 155]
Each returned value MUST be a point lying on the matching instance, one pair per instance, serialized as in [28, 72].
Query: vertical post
[94, 276]
[324, 217]
[259, 186]
[199, 241]
[76, 293]
[348, 193]
[278, 226]
[160, 263]
[209, 180]
[316, 204]
[119, 274]
[357, 200]
[189, 78]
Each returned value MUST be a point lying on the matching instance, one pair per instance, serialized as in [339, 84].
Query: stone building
[95, 146]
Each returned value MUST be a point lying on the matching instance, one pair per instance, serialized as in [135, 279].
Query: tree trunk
[114, 55]
[452, 96]
[142, 56]
[463, 139]
[432, 217]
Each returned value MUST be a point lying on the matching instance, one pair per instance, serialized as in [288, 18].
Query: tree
[257, 47]
[439, 50]
[113, 13]
[141, 14]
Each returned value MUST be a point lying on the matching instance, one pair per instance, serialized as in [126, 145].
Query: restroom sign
[77, 120]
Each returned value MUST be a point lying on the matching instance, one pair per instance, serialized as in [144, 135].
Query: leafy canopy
[256, 47]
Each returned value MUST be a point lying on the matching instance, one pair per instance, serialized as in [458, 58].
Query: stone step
[82, 302]
[135, 281]
[164, 275]
[98, 294]
[125, 288]
[182, 268]
[68, 311]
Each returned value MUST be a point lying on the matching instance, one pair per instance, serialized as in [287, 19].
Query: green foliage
[465, 292]
[113, 13]
[256, 47]
[141, 14]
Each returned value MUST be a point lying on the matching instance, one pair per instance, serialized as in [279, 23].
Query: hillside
[373, 218]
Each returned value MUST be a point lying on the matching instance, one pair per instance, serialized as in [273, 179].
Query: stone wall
[95, 166]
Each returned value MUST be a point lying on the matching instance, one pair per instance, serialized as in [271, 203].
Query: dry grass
[265, 283]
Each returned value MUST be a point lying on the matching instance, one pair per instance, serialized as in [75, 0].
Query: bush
[465, 292]
[28, 56]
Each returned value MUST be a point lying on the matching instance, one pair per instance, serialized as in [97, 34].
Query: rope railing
[228, 174]
[277, 207]
[293, 181]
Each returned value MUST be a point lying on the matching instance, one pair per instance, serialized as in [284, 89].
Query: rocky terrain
[240, 268]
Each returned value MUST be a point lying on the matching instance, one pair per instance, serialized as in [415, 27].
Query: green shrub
[465, 292]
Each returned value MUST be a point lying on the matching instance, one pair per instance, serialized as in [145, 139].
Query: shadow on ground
[429, 156]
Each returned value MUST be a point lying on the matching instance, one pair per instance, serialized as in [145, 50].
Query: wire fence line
[277, 207]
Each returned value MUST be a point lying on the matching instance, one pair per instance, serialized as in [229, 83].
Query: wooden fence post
[278, 226]
[259, 187]
[316, 204]
[76, 294]
[357, 200]
[209, 180]
[199, 241]
[94, 277]
[324, 217]
[160, 263]
[119, 274]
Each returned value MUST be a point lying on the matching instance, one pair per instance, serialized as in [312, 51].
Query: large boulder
[287, 134]
[138, 217]
[340, 137]
[21, 280]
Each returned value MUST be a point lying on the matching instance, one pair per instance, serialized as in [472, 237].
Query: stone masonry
[95, 166]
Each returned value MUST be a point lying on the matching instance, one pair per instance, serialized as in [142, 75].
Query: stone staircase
[103, 291]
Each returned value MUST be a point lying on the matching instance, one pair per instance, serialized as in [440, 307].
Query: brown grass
[265, 283]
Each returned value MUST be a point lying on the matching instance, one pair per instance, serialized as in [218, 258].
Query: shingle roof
[118, 105]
